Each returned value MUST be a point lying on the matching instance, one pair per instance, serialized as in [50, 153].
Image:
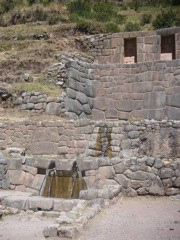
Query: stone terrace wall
[72, 139]
[80, 89]
[144, 90]
[137, 158]
[41, 103]
[109, 48]
[135, 176]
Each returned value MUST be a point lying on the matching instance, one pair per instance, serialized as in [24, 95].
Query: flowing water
[64, 184]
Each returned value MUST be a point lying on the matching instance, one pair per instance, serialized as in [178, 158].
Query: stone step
[26, 201]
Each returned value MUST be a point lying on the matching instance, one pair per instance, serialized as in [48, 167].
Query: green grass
[50, 89]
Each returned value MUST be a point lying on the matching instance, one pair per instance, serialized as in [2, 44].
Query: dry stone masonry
[121, 128]
[41, 103]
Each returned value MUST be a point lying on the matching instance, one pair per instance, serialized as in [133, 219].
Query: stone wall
[135, 176]
[144, 90]
[72, 139]
[109, 48]
[41, 103]
[80, 90]
[4, 180]
[133, 157]
[123, 91]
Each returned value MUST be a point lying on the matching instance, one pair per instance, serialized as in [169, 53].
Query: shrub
[6, 5]
[103, 11]
[53, 19]
[165, 19]
[146, 19]
[112, 27]
[90, 27]
[129, 27]
[80, 7]
[120, 19]
[40, 14]
[135, 4]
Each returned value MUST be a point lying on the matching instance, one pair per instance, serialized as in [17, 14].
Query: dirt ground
[144, 218]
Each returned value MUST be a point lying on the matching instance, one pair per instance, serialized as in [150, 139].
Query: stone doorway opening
[130, 50]
[168, 51]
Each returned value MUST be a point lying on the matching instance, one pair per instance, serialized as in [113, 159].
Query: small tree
[165, 19]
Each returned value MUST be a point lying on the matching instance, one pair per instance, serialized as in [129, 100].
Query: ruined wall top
[133, 47]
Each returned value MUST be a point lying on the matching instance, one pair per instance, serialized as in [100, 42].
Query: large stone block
[40, 203]
[174, 100]
[73, 106]
[85, 165]
[103, 103]
[153, 100]
[16, 177]
[64, 205]
[125, 105]
[98, 115]
[89, 194]
[120, 168]
[14, 163]
[105, 172]
[40, 148]
[166, 173]
[139, 175]
[172, 113]
[81, 97]
[38, 182]
[122, 180]
[53, 108]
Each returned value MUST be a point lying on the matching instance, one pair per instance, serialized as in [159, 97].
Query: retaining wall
[70, 139]
[123, 91]
[116, 156]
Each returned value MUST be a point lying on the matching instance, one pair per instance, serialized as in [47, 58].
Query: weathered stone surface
[126, 144]
[156, 188]
[172, 191]
[154, 100]
[142, 191]
[40, 203]
[14, 163]
[158, 163]
[166, 173]
[88, 194]
[44, 148]
[126, 105]
[173, 113]
[133, 134]
[29, 169]
[38, 182]
[105, 172]
[84, 165]
[51, 230]
[16, 177]
[173, 100]
[64, 206]
[73, 106]
[102, 103]
[120, 168]
[122, 180]
[53, 108]
[139, 175]
[150, 161]
[67, 231]
[81, 97]
[177, 182]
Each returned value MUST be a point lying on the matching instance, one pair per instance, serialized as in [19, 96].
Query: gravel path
[144, 218]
